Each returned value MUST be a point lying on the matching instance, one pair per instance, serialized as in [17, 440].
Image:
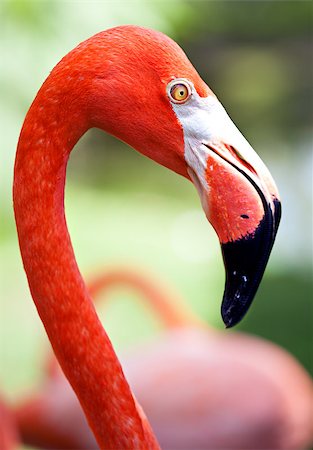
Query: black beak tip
[228, 321]
[245, 261]
[231, 315]
[243, 275]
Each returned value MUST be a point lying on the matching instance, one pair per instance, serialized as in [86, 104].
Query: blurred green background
[123, 208]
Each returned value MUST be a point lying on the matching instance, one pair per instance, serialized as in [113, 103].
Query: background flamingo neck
[166, 304]
[80, 343]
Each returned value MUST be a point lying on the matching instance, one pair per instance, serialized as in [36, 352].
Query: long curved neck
[169, 308]
[50, 131]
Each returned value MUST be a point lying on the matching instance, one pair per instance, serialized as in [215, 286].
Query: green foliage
[282, 313]
[251, 20]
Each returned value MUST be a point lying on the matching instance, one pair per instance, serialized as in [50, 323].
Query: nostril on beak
[238, 156]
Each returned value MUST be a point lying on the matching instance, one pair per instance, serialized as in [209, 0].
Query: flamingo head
[147, 93]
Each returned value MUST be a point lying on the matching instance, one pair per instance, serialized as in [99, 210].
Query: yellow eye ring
[179, 90]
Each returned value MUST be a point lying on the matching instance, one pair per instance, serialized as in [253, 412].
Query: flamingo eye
[179, 91]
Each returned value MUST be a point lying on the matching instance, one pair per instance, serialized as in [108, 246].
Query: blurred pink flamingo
[199, 388]
[9, 436]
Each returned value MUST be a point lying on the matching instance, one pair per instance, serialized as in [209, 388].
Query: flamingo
[52, 418]
[9, 436]
[138, 85]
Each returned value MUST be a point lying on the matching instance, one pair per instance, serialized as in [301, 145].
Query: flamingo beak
[240, 200]
[252, 210]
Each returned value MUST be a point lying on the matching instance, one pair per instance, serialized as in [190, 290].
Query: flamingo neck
[50, 131]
